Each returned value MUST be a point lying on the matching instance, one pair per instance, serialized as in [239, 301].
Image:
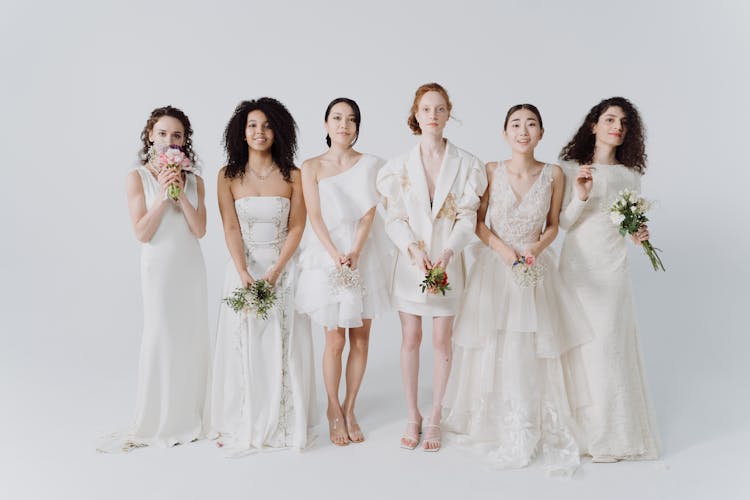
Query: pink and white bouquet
[628, 213]
[172, 157]
[527, 271]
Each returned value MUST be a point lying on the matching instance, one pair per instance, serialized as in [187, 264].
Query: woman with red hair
[431, 195]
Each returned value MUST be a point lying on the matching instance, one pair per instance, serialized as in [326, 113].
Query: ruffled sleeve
[389, 186]
[348, 197]
[466, 207]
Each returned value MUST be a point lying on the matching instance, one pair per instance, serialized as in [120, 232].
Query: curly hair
[530, 107]
[283, 149]
[422, 90]
[355, 109]
[631, 153]
[187, 148]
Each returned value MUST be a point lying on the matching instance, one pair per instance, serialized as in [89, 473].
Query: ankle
[334, 411]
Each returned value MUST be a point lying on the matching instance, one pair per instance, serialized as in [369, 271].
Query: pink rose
[530, 260]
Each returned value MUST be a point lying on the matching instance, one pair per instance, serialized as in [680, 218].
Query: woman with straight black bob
[342, 284]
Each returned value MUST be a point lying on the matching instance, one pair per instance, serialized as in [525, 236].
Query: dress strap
[547, 171]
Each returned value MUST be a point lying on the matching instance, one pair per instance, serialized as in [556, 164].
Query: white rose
[616, 218]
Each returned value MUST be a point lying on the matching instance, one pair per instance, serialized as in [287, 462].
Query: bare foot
[338, 433]
[410, 437]
[353, 429]
[432, 438]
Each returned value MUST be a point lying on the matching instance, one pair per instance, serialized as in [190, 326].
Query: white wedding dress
[263, 384]
[594, 262]
[174, 357]
[517, 378]
[344, 199]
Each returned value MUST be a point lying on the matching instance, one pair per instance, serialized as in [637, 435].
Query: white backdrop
[79, 79]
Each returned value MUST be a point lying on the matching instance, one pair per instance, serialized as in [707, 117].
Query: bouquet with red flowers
[435, 281]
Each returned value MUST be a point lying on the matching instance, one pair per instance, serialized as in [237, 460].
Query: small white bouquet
[344, 278]
[527, 271]
[628, 213]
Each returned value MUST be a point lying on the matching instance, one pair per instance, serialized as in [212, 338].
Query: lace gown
[344, 200]
[263, 385]
[517, 379]
[594, 262]
[174, 356]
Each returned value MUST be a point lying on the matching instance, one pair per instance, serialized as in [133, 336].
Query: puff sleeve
[389, 183]
[466, 207]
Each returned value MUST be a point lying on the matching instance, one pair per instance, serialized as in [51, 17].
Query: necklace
[261, 177]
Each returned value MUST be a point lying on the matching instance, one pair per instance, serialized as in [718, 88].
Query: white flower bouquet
[628, 213]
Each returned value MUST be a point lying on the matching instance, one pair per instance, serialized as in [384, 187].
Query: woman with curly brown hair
[174, 351]
[606, 155]
[263, 384]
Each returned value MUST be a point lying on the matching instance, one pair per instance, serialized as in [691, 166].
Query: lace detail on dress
[252, 226]
[520, 436]
[529, 427]
[263, 235]
[519, 222]
[284, 432]
[559, 448]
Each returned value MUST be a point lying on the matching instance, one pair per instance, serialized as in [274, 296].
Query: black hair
[632, 151]
[530, 107]
[284, 146]
[355, 109]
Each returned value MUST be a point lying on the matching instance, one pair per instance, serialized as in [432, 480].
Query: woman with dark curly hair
[174, 351]
[263, 392]
[606, 155]
[431, 195]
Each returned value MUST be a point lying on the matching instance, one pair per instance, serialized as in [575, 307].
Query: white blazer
[449, 223]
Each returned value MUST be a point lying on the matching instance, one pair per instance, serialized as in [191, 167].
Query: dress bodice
[519, 222]
[593, 241]
[173, 230]
[263, 220]
[347, 196]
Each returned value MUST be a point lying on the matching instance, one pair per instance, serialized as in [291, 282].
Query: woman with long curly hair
[174, 351]
[262, 390]
[606, 155]
[431, 195]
